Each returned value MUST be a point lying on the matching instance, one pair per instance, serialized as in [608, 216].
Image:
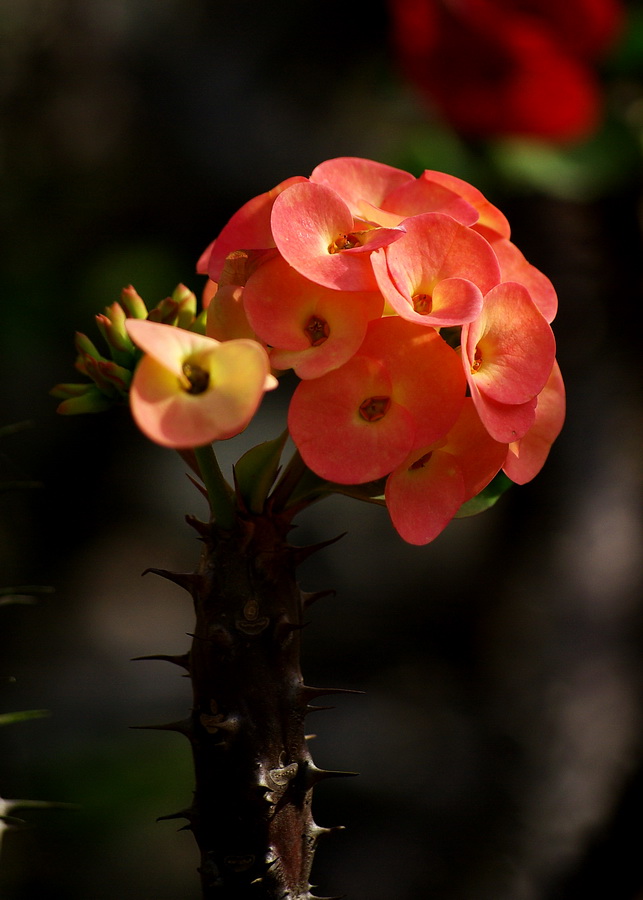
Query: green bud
[92, 401]
[133, 304]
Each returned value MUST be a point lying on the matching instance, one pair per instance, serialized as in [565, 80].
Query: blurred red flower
[508, 67]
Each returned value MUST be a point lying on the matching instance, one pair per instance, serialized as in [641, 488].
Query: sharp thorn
[308, 599]
[203, 528]
[312, 709]
[183, 727]
[182, 659]
[185, 580]
[315, 775]
[311, 693]
[302, 553]
[181, 814]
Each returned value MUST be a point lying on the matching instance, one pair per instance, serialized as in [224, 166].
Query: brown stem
[251, 813]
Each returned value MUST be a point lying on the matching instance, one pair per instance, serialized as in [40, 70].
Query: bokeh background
[499, 739]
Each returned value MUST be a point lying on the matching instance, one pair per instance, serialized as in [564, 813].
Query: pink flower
[508, 353]
[427, 489]
[189, 390]
[316, 233]
[437, 273]
[309, 327]
[403, 388]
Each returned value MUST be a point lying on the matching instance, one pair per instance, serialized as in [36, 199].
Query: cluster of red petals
[501, 67]
[420, 333]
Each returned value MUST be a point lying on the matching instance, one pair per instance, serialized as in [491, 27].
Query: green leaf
[23, 715]
[486, 498]
[256, 471]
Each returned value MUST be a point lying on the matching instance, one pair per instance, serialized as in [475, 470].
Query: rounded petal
[307, 222]
[424, 195]
[169, 345]
[491, 221]
[527, 456]
[357, 180]
[309, 327]
[335, 440]
[505, 422]
[434, 248]
[423, 494]
[508, 352]
[174, 410]
[248, 229]
[514, 267]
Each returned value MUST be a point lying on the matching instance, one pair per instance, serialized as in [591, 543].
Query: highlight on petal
[248, 229]
[347, 425]
[514, 267]
[357, 180]
[433, 249]
[508, 352]
[189, 390]
[315, 232]
[309, 327]
[526, 457]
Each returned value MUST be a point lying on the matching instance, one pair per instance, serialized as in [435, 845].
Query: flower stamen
[422, 304]
[317, 330]
[344, 242]
[374, 408]
[199, 378]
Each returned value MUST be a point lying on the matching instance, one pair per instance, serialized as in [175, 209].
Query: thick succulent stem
[251, 812]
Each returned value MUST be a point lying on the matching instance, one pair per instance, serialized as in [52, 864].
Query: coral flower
[425, 492]
[309, 328]
[403, 388]
[189, 390]
[315, 232]
[437, 273]
[508, 354]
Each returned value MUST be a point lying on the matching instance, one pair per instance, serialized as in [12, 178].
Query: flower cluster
[419, 332]
[497, 67]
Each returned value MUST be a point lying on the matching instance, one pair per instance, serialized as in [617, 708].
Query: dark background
[499, 738]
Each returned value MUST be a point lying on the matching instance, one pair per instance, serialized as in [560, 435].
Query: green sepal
[256, 471]
[370, 492]
[486, 498]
